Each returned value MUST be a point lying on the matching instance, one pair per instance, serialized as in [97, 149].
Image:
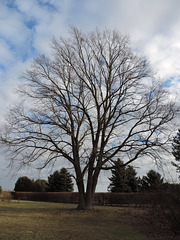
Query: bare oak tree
[92, 101]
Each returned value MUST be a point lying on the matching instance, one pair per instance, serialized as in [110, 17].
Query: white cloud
[12, 27]
[154, 30]
[165, 54]
[6, 55]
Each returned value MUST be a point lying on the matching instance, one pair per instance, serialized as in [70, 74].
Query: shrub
[6, 196]
[24, 184]
[167, 204]
[40, 185]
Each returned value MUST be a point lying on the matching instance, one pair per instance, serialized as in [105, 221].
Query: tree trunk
[81, 203]
[85, 199]
[80, 185]
[89, 200]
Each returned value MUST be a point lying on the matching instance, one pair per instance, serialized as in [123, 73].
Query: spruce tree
[176, 149]
[152, 182]
[60, 181]
[123, 179]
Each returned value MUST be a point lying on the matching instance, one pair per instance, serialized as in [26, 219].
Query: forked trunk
[85, 198]
[85, 201]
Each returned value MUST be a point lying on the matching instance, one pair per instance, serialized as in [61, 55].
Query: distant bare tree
[94, 100]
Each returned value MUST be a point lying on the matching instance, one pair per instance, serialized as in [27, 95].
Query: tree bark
[80, 185]
[81, 203]
[85, 198]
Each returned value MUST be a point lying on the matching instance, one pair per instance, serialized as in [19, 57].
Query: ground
[40, 221]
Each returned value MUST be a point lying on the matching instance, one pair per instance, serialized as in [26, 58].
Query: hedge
[65, 197]
[118, 199]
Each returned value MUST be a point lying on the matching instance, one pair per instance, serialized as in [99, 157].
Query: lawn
[39, 220]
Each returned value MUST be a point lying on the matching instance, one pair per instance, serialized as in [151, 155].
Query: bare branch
[92, 101]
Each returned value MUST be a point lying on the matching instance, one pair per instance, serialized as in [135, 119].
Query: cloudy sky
[27, 27]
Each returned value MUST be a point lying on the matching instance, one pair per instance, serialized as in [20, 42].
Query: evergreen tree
[152, 182]
[60, 181]
[123, 178]
[176, 149]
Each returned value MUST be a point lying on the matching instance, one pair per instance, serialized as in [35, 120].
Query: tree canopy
[40, 185]
[60, 181]
[93, 100]
[153, 181]
[24, 184]
[123, 179]
[176, 150]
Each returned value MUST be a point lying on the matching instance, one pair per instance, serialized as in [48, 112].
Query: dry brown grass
[38, 220]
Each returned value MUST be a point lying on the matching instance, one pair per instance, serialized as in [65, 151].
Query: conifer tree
[60, 181]
[123, 178]
[153, 181]
[176, 149]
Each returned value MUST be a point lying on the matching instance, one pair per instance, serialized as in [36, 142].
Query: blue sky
[27, 27]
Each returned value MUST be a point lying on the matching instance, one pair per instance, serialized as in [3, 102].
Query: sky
[27, 27]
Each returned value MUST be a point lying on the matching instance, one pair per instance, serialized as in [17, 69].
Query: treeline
[59, 181]
[124, 179]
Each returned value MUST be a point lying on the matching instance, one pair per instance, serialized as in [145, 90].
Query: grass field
[37, 220]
